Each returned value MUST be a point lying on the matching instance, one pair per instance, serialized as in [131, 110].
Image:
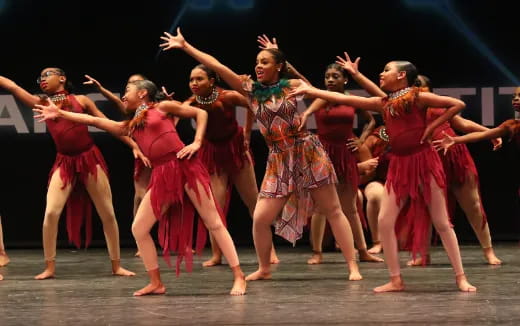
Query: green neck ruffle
[263, 93]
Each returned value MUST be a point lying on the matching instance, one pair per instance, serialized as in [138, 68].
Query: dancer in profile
[79, 171]
[415, 172]
[298, 169]
[179, 183]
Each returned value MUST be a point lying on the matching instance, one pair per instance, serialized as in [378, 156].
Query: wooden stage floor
[84, 292]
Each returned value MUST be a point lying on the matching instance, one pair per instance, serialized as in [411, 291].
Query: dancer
[178, 185]
[225, 150]
[297, 166]
[462, 178]
[79, 166]
[142, 172]
[509, 129]
[415, 171]
[335, 128]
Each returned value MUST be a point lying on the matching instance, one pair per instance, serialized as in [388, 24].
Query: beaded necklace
[208, 100]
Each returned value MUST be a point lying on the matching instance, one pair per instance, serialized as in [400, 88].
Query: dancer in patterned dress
[415, 172]
[225, 149]
[298, 169]
[79, 172]
[179, 183]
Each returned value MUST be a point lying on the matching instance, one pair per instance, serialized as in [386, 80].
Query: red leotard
[334, 128]
[411, 169]
[77, 157]
[159, 141]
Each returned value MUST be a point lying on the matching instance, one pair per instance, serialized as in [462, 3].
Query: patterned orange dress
[297, 161]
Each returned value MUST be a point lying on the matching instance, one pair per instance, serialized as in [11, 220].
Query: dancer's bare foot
[364, 255]
[489, 253]
[214, 261]
[1, 277]
[259, 275]
[118, 270]
[396, 284]
[49, 271]
[151, 289]
[274, 258]
[122, 272]
[377, 248]
[464, 285]
[239, 286]
[316, 258]
[354, 275]
[137, 254]
[45, 275]
[4, 259]
[419, 261]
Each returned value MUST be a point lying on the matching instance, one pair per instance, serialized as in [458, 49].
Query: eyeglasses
[46, 74]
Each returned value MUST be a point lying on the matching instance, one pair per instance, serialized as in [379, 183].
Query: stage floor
[84, 292]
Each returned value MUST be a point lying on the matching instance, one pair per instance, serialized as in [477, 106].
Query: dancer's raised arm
[178, 42]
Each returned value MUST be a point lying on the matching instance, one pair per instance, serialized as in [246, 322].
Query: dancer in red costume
[415, 170]
[79, 172]
[298, 169]
[509, 129]
[377, 145]
[179, 183]
[335, 129]
[462, 178]
[225, 149]
[142, 172]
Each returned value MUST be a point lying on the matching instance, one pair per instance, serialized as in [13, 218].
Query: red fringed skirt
[409, 176]
[345, 165]
[75, 169]
[228, 156]
[459, 166]
[173, 208]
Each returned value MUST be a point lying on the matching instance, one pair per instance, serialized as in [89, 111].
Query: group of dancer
[403, 177]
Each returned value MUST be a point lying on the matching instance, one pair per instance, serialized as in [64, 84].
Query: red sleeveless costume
[457, 162]
[223, 149]
[159, 141]
[411, 170]
[334, 127]
[77, 157]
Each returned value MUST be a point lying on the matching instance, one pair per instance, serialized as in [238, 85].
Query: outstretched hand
[265, 43]
[444, 143]
[92, 81]
[172, 42]
[46, 112]
[348, 65]
[169, 96]
[302, 89]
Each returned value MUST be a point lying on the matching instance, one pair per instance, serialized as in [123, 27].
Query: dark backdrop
[458, 44]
